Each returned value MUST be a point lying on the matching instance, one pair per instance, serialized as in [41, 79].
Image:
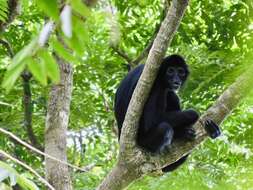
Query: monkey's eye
[170, 71]
[181, 72]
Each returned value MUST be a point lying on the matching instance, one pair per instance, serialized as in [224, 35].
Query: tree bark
[56, 127]
[28, 109]
[57, 123]
[120, 177]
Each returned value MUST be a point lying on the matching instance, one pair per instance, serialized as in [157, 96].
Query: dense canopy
[101, 42]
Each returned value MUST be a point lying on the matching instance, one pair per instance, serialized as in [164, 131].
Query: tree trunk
[57, 119]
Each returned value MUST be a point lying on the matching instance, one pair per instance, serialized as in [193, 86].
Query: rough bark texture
[56, 127]
[28, 109]
[57, 122]
[121, 176]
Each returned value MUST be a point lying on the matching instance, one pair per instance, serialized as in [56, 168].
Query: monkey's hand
[212, 128]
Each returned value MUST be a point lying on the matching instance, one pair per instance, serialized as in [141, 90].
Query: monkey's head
[173, 72]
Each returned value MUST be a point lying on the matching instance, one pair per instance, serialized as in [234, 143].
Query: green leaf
[52, 67]
[3, 16]
[7, 171]
[25, 183]
[63, 52]
[38, 69]
[75, 43]
[5, 166]
[12, 74]
[27, 51]
[80, 36]
[3, 10]
[22, 180]
[50, 7]
[80, 7]
[18, 64]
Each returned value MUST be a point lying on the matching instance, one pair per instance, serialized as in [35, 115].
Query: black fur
[162, 119]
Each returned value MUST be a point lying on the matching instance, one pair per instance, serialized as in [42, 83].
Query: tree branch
[30, 147]
[131, 160]
[218, 112]
[27, 99]
[28, 109]
[13, 7]
[28, 168]
[122, 53]
[144, 85]
[134, 162]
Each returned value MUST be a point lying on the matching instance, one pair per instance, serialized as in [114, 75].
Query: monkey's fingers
[212, 129]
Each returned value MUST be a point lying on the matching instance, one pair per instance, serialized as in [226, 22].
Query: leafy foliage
[215, 37]
[3, 10]
[15, 178]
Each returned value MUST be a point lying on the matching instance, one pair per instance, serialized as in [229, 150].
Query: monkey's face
[175, 77]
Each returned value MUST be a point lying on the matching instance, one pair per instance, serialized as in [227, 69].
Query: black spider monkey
[162, 119]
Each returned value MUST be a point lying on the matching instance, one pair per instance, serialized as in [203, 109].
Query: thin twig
[122, 54]
[28, 111]
[28, 168]
[38, 151]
